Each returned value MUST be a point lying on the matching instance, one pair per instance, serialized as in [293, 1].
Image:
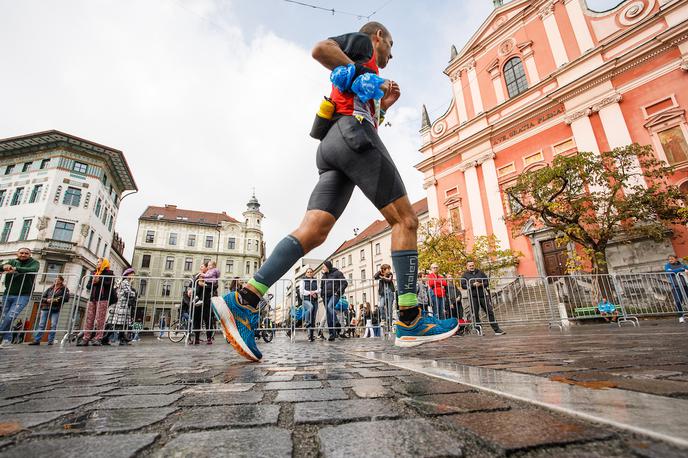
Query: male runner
[351, 154]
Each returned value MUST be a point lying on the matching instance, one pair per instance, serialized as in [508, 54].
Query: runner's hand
[392, 94]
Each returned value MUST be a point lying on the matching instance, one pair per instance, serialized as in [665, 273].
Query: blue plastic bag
[342, 305]
[342, 77]
[367, 87]
[297, 313]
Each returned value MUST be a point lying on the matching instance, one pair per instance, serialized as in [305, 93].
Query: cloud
[203, 111]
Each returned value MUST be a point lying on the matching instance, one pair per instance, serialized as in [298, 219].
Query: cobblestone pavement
[309, 399]
[652, 358]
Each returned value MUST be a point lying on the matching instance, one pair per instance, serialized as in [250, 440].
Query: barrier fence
[38, 306]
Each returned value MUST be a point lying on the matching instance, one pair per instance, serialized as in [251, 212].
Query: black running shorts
[352, 154]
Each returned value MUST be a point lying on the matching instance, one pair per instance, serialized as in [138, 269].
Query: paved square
[328, 399]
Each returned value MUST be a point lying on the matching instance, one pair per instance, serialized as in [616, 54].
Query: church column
[556, 44]
[615, 128]
[496, 76]
[574, 9]
[494, 202]
[475, 205]
[457, 86]
[529, 62]
[583, 134]
[475, 88]
[430, 186]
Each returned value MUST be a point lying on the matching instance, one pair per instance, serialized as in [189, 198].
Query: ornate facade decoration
[476, 161]
[684, 64]
[506, 47]
[635, 12]
[546, 9]
[594, 108]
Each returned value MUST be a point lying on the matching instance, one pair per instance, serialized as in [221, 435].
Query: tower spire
[425, 119]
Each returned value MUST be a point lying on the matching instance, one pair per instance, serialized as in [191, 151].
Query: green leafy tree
[438, 244]
[595, 199]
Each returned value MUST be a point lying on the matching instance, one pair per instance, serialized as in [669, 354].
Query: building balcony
[60, 245]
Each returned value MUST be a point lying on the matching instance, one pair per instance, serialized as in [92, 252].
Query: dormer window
[515, 77]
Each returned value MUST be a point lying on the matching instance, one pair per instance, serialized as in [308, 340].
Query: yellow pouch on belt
[323, 119]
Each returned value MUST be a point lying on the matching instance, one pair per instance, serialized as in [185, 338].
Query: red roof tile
[377, 227]
[172, 213]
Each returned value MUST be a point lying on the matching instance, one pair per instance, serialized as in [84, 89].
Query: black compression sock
[248, 297]
[408, 314]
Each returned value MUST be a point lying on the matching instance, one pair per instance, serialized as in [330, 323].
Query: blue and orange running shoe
[450, 323]
[424, 329]
[238, 323]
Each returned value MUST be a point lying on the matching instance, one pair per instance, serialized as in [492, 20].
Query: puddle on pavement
[593, 384]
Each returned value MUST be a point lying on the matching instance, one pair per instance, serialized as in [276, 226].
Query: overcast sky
[210, 98]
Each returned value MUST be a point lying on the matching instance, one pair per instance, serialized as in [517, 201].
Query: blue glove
[367, 87]
[342, 77]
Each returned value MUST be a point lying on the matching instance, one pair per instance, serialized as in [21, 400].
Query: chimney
[173, 207]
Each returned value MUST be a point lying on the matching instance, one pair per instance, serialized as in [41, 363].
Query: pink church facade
[546, 77]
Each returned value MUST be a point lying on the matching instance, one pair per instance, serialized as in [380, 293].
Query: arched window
[684, 189]
[515, 77]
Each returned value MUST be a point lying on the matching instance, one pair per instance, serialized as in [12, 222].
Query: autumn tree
[439, 244]
[596, 199]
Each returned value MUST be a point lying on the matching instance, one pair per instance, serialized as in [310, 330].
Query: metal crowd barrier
[179, 309]
[32, 309]
[339, 308]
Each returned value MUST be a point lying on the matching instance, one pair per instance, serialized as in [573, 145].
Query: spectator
[422, 293]
[119, 319]
[137, 327]
[385, 291]
[377, 329]
[212, 276]
[676, 272]
[351, 320]
[309, 300]
[454, 300]
[477, 284]
[17, 334]
[607, 310]
[436, 285]
[51, 304]
[235, 284]
[101, 295]
[202, 308]
[163, 324]
[332, 286]
[20, 274]
[185, 308]
[368, 317]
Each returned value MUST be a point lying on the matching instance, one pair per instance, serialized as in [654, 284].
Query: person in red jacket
[438, 286]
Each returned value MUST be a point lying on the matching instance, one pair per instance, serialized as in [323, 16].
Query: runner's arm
[330, 55]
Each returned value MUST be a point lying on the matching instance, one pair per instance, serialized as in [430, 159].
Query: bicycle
[266, 331]
[178, 330]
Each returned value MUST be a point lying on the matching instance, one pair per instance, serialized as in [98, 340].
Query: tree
[438, 244]
[593, 199]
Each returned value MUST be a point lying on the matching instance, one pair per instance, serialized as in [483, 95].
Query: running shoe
[450, 323]
[424, 329]
[238, 322]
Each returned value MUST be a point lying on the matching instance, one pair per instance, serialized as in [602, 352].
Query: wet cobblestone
[161, 399]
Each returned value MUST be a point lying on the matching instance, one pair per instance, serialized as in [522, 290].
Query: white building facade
[59, 196]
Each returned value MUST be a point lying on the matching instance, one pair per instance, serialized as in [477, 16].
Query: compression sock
[406, 267]
[285, 254]
[408, 314]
